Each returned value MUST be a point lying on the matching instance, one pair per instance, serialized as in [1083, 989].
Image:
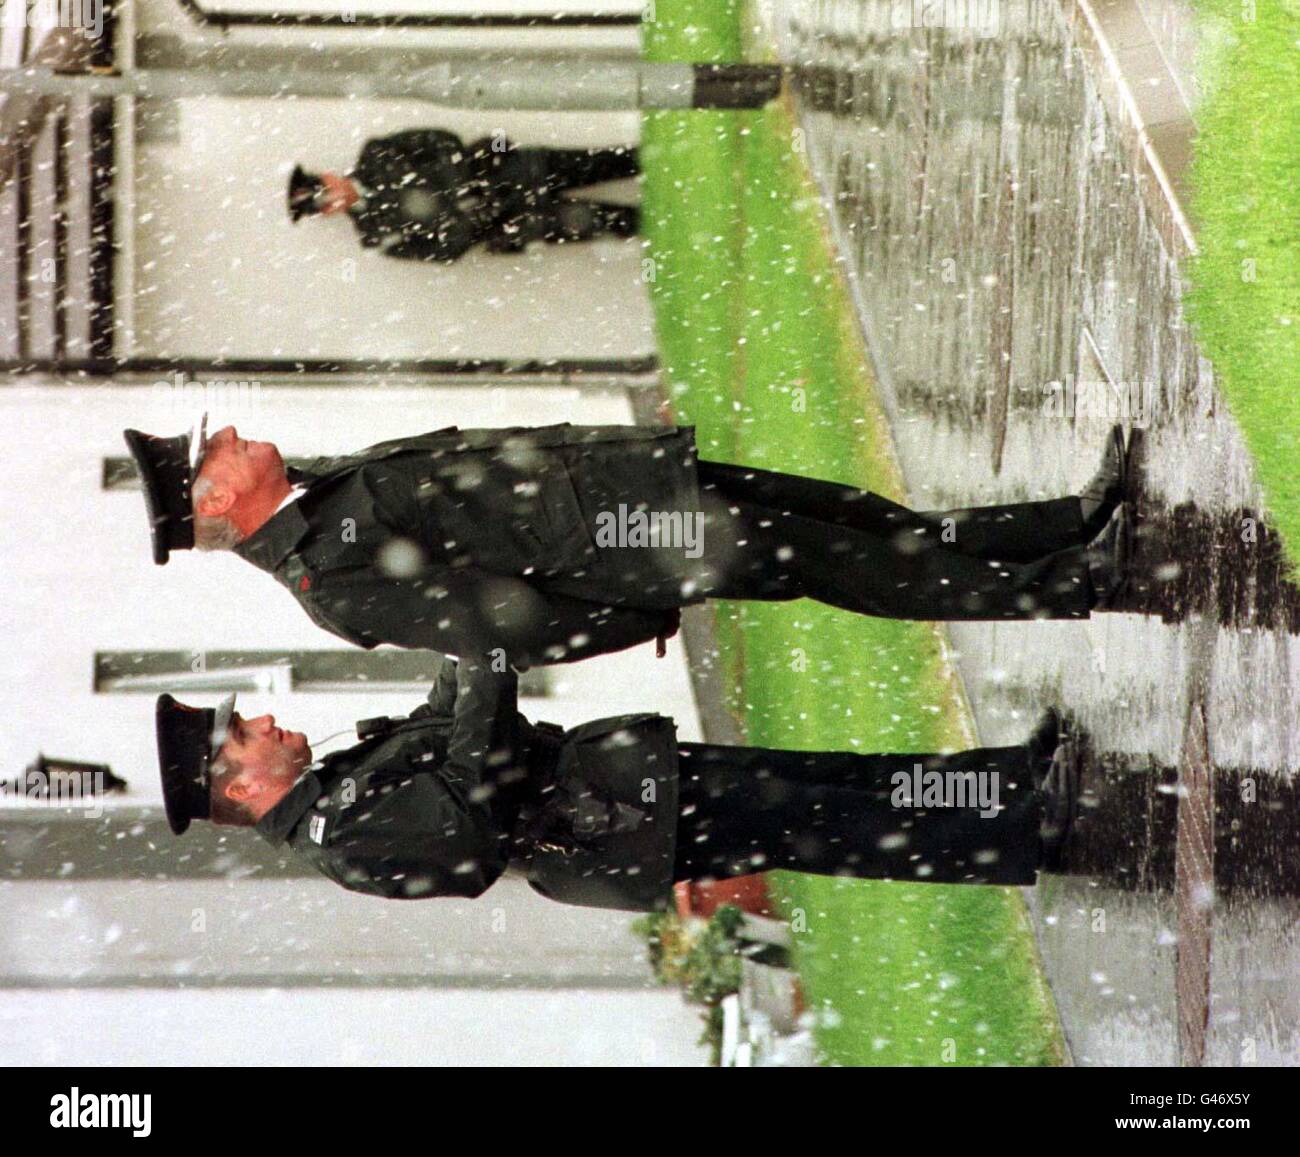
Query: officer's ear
[241, 788]
[229, 793]
[213, 500]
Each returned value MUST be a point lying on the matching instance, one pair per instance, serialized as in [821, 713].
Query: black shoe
[1061, 790]
[1041, 746]
[1105, 491]
[1109, 560]
[1135, 464]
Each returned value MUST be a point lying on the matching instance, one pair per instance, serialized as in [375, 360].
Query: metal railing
[222, 18]
[56, 214]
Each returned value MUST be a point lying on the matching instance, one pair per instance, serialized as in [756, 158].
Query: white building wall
[216, 268]
[77, 1026]
[221, 271]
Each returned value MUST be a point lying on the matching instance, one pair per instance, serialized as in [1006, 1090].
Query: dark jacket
[443, 802]
[484, 542]
[422, 196]
[426, 196]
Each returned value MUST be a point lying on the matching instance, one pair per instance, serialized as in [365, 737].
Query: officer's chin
[296, 744]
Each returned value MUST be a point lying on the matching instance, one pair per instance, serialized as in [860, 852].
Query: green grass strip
[762, 352]
[1245, 211]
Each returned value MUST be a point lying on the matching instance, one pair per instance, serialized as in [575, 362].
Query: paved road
[1018, 299]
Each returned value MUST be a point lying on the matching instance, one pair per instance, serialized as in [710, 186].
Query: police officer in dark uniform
[609, 814]
[472, 542]
[423, 195]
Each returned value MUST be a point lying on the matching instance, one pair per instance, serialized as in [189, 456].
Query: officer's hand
[671, 627]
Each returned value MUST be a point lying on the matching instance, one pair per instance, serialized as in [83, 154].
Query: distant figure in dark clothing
[423, 195]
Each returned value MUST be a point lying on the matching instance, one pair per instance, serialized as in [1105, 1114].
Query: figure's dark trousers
[781, 536]
[548, 172]
[574, 168]
[832, 813]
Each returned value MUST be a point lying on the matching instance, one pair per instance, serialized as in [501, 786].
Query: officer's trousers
[779, 536]
[971, 818]
[537, 176]
[574, 168]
